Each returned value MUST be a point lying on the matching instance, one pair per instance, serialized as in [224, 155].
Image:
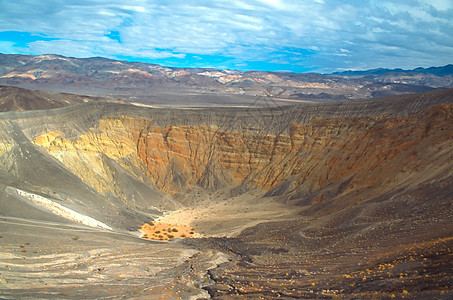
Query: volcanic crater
[349, 200]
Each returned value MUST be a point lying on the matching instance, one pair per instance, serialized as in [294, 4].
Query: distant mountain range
[438, 71]
[153, 84]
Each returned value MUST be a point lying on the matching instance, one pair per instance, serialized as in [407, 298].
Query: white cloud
[63, 47]
[7, 47]
[439, 4]
[134, 8]
[370, 33]
[273, 3]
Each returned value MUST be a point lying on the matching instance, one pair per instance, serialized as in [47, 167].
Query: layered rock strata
[289, 151]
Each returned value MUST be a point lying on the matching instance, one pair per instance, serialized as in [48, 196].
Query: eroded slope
[289, 152]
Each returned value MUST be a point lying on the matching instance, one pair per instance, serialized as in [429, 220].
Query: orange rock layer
[320, 159]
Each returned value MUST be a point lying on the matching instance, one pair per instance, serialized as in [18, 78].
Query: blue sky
[274, 35]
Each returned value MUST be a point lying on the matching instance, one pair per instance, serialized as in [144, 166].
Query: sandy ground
[50, 260]
[165, 232]
[222, 218]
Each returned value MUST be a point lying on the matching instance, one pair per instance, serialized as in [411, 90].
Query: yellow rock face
[5, 146]
[83, 156]
[46, 138]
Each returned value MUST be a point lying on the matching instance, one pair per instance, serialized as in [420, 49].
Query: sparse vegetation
[162, 231]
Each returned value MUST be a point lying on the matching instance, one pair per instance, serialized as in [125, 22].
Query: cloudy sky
[275, 35]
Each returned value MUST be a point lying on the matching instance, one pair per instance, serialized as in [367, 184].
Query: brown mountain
[349, 200]
[14, 98]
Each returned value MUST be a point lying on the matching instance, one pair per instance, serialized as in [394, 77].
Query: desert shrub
[174, 230]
